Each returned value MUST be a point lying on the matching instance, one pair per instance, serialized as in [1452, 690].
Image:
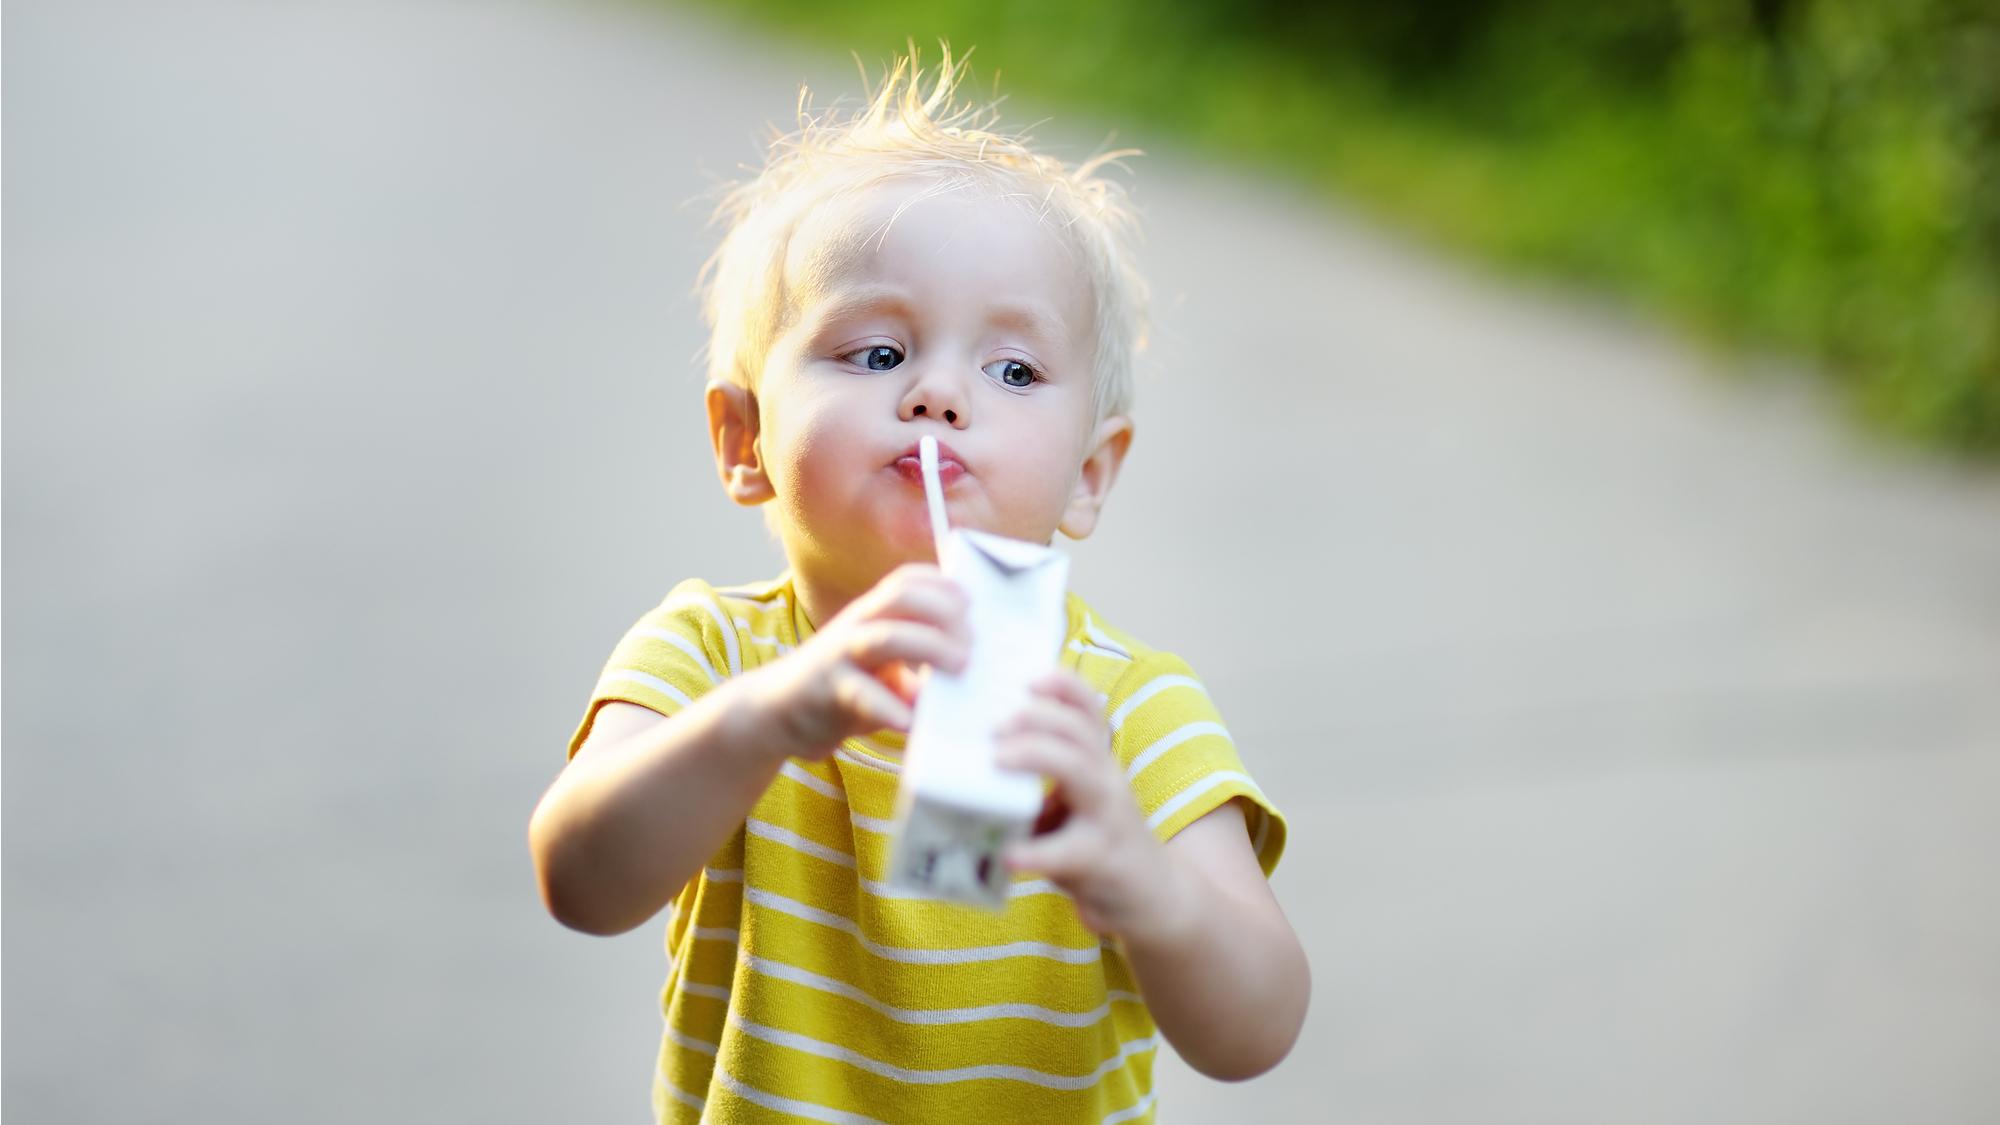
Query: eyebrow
[1030, 317]
[863, 301]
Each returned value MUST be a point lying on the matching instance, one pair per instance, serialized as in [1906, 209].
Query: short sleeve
[1179, 758]
[678, 650]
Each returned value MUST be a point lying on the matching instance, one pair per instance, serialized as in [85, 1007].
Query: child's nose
[935, 395]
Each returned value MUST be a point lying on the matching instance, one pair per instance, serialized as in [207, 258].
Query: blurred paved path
[1642, 734]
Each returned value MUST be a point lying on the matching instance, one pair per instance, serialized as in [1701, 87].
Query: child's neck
[827, 581]
[822, 596]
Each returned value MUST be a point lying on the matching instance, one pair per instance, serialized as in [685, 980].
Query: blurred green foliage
[1819, 176]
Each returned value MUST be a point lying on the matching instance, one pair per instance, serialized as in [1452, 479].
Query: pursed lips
[950, 468]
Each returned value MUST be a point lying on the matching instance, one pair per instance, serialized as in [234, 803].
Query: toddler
[901, 272]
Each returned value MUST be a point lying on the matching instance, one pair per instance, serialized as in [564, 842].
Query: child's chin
[907, 537]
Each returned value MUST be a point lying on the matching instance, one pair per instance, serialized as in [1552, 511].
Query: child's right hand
[859, 673]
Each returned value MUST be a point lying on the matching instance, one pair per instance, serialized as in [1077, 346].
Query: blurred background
[1816, 176]
[1607, 396]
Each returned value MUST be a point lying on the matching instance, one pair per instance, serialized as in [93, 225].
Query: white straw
[927, 457]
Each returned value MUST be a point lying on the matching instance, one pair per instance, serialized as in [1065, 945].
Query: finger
[919, 591]
[1062, 856]
[902, 679]
[1060, 720]
[1069, 689]
[1080, 776]
[941, 609]
[868, 703]
[912, 572]
[882, 642]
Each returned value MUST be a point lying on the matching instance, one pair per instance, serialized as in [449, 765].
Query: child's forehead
[840, 239]
[832, 241]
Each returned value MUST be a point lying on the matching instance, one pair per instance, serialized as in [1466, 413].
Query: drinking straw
[927, 457]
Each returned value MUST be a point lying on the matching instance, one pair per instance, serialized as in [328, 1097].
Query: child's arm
[646, 800]
[1221, 969]
[1223, 974]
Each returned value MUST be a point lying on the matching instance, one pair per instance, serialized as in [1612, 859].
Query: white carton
[956, 809]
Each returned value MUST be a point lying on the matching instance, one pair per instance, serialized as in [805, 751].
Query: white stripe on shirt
[846, 755]
[771, 641]
[768, 831]
[1170, 740]
[1181, 799]
[1093, 650]
[1153, 687]
[921, 956]
[778, 970]
[721, 622]
[792, 1106]
[711, 991]
[1098, 637]
[873, 824]
[690, 1042]
[759, 593]
[682, 1096]
[1136, 1109]
[644, 680]
[682, 643]
[812, 781]
[916, 1077]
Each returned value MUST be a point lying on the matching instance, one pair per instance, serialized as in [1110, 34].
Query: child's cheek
[798, 455]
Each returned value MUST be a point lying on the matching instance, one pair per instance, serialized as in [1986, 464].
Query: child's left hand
[1091, 840]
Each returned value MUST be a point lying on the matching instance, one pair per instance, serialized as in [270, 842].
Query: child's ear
[1108, 446]
[733, 431]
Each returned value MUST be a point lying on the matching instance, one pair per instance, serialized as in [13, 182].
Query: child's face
[966, 320]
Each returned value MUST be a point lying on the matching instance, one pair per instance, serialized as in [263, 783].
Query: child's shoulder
[722, 624]
[1114, 661]
[700, 602]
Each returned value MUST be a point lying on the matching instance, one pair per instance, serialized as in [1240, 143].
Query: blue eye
[880, 357]
[1013, 373]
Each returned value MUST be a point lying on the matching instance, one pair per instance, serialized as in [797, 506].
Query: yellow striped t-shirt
[801, 987]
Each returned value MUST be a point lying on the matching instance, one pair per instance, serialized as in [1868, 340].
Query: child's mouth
[913, 470]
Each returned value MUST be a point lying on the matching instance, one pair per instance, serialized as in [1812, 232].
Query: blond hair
[904, 133]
